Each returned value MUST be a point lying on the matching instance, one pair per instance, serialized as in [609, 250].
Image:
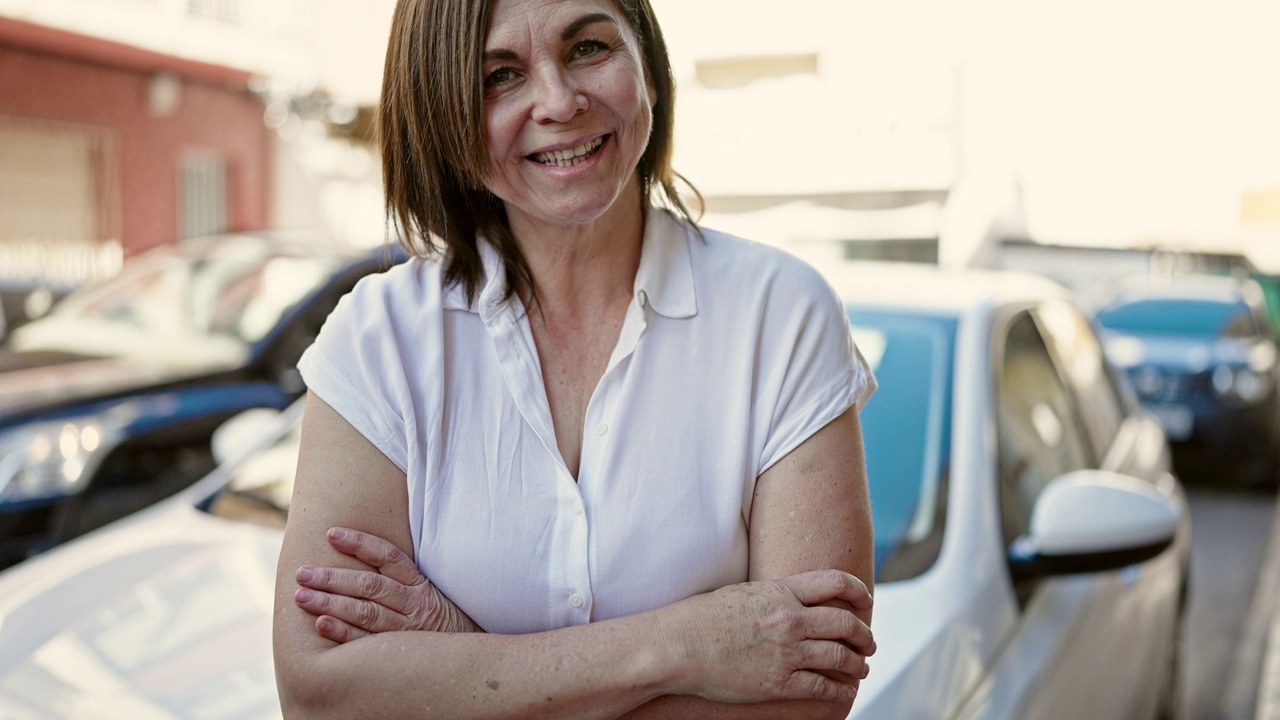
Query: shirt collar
[493, 287]
[665, 276]
[664, 280]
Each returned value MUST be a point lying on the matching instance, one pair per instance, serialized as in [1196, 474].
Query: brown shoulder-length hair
[432, 134]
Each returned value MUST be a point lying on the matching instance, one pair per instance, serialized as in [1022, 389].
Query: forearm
[689, 707]
[601, 670]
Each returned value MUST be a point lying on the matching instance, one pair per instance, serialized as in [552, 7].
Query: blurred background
[920, 129]
[1129, 150]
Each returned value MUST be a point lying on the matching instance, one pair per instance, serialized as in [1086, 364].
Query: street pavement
[1253, 692]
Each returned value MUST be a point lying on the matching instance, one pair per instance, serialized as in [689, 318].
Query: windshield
[174, 304]
[1177, 316]
[906, 431]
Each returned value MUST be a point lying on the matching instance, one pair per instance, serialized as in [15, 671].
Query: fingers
[829, 623]
[363, 614]
[831, 658]
[812, 685]
[376, 552]
[820, 586]
[336, 630]
[359, 584]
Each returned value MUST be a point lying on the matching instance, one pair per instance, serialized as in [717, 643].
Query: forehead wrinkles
[517, 25]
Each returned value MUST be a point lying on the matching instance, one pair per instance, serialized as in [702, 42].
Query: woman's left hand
[350, 604]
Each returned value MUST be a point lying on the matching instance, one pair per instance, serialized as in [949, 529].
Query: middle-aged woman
[578, 459]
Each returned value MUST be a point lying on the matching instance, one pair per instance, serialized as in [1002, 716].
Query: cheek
[500, 132]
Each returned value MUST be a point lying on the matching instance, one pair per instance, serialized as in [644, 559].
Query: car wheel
[1170, 705]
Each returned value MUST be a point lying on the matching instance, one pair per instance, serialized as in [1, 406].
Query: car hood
[32, 388]
[1194, 354]
[165, 615]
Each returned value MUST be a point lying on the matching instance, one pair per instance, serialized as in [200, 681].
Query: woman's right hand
[773, 640]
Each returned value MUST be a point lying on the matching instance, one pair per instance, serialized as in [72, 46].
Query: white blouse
[731, 354]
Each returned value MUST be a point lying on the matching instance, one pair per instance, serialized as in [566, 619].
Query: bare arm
[811, 511]
[741, 644]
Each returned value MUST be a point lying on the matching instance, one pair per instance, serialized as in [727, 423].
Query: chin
[575, 211]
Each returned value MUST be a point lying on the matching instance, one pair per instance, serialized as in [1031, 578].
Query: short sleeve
[355, 365]
[813, 372]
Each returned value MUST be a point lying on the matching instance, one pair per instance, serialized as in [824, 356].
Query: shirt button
[577, 508]
[575, 600]
[602, 428]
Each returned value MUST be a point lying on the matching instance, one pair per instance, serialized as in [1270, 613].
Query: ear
[650, 88]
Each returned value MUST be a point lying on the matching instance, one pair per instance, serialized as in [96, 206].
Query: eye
[499, 77]
[587, 48]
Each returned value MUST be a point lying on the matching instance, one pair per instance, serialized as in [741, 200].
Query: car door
[1071, 653]
[1149, 599]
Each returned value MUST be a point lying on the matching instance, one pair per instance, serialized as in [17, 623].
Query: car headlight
[51, 459]
[1241, 384]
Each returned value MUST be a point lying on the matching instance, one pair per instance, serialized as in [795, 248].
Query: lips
[570, 156]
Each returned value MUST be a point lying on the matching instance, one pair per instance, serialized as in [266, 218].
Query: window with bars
[202, 195]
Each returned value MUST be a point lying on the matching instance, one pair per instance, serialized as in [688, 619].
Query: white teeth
[569, 158]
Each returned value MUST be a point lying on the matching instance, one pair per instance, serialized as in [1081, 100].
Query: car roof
[274, 242]
[1211, 288]
[934, 289]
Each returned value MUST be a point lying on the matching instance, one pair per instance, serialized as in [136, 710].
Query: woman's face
[568, 108]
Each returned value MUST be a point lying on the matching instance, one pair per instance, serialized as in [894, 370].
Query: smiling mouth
[570, 157]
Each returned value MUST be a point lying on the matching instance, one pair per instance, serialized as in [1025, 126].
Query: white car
[1031, 544]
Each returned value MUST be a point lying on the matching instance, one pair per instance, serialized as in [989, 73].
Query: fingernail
[303, 596]
[305, 574]
[337, 533]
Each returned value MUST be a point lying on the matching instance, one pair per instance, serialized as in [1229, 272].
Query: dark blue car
[107, 404]
[1202, 356]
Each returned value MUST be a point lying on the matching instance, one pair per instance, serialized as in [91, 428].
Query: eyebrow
[570, 31]
[576, 26]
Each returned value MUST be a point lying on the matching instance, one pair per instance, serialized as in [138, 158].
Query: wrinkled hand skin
[766, 640]
[744, 643]
[395, 596]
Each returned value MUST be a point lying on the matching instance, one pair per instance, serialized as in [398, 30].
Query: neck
[582, 268]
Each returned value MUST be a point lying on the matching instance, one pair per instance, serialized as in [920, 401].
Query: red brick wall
[143, 173]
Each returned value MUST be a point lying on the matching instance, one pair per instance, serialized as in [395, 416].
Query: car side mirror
[1094, 521]
[242, 433]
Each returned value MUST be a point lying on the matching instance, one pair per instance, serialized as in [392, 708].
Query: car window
[167, 303]
[1039, 437]
[1092, 381]
[1175, 316]
[1241, 325]
[906, 433]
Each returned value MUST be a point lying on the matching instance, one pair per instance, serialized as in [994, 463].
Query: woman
[625, 453]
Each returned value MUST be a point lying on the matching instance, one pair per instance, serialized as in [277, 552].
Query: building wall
[143, 151]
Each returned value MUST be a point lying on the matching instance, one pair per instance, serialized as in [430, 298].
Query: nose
[556, 98]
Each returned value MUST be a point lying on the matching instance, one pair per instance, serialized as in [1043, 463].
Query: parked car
[1270, 285]
[1030, 540]
[1202, 355]
[24, 301]
[108, 402]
